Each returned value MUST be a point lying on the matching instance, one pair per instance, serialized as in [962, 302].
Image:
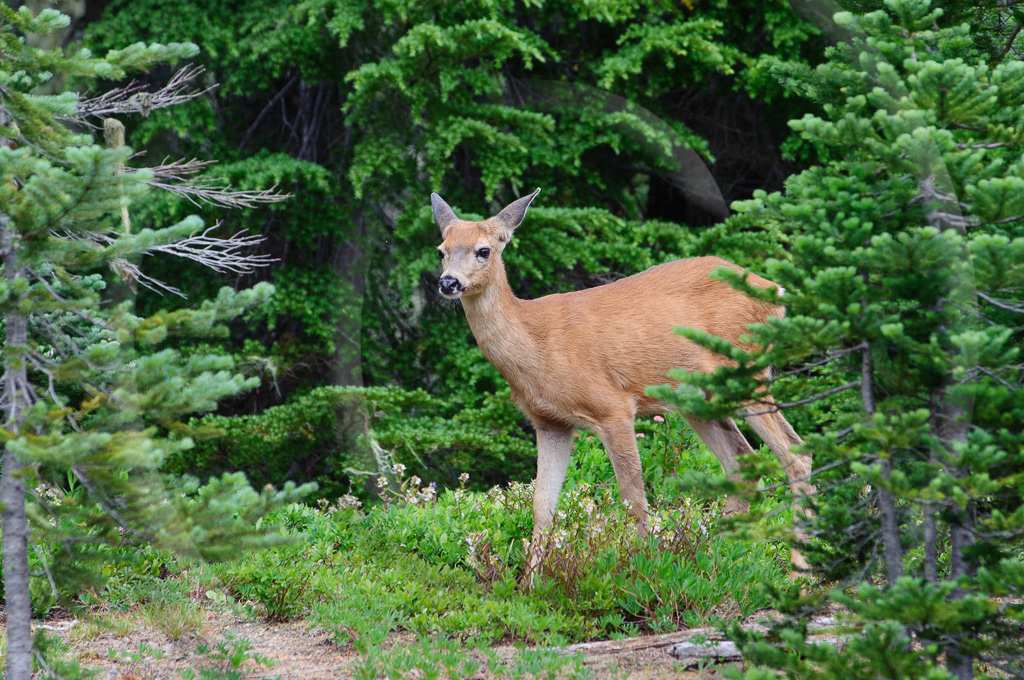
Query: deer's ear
[444, 216]
[509, 218]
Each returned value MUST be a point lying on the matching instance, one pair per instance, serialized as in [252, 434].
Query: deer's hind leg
[771, 426]
[726, 441]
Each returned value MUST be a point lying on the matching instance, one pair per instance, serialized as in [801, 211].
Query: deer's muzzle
[450, 286]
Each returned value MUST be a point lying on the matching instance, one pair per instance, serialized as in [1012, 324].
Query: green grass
[447, 567]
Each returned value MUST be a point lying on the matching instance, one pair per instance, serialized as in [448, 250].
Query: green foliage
[230, 657]
[896, 288]
[175, 620]
[59, 662]
[340, 435]
[280, 582]
[448, 564]
[439, 657]
[360, 110]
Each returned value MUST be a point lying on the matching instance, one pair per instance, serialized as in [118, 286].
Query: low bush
[341, 437]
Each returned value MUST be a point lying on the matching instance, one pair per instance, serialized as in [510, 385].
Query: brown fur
[583, 359]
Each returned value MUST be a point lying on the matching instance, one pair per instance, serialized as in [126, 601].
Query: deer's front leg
[554, 448]
[619, 439]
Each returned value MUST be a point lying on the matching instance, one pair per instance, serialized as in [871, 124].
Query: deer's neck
[495, 317]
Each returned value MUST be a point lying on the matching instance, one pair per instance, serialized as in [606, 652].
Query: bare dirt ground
[144, 653]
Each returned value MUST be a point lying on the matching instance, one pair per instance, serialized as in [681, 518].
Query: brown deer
[582, 359]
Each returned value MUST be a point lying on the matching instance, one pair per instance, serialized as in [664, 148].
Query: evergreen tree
[903, 286]
[91, 392]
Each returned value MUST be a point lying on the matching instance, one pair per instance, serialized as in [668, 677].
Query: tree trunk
[886, 503]
[12, 484]
[931, 545]
[961, 531]
[950, 426]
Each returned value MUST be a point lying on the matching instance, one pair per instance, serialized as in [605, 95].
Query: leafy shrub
[227, 659]
[283, 583]
[450, 562]
[339, 436]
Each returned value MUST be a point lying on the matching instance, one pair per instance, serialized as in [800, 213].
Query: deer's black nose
[449, 285]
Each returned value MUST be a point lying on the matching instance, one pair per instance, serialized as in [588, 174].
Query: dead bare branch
[266, 109]
[223, 255]
[1007, 305]
[131, 274]
[952, 214]
[206, 191]
[131, 99]
[176, 177]
[220, 254]
[180, 169]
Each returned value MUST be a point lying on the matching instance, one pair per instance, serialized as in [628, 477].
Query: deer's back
[592, 348]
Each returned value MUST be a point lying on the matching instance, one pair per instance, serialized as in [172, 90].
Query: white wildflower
[349, 502]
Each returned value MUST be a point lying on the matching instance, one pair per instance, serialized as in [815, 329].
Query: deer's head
[471, 251]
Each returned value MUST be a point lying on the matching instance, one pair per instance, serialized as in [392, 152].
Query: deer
[582, 359]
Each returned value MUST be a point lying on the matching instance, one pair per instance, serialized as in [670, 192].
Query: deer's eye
[483, 252]
[440, 254]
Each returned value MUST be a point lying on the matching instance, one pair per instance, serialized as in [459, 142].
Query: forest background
[640, 121]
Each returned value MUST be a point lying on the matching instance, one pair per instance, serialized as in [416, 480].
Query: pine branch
[77, 312]
[785, 484]
[1007, 220]
[981, 370]
[106, 504]
[205, 191]
[808, 400]
[51, 389]
[219, 254]
[1002, 304]
[131, 99]
[832, 356]
[1009, 43]
[991, 145]
[972, 312]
